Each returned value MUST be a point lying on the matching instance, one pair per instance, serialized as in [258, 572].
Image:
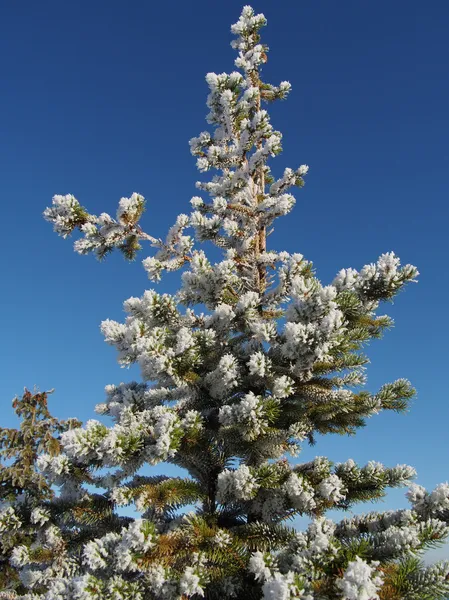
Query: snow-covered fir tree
[35, 525]
[250, 358]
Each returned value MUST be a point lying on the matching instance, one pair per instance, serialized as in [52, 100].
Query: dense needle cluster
[252, 356]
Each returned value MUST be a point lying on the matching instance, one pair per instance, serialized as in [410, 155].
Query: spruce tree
[250, 358]
[23, 489]
[36, 525]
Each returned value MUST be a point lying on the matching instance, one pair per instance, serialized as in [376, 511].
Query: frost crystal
[360, 581]
[236, 485]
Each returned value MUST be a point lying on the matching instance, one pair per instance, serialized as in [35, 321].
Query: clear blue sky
[99, 99]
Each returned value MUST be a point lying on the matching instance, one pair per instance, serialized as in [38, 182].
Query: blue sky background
[99, 99]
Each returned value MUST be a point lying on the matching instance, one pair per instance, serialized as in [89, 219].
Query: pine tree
[251, 357]
[35, 525]
[23, 489]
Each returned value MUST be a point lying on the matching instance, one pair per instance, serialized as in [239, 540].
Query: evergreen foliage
[35, 523]
[252, 356]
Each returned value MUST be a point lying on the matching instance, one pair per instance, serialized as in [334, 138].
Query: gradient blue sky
[99, 99]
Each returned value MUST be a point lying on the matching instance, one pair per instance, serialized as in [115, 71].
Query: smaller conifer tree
[34, 521]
